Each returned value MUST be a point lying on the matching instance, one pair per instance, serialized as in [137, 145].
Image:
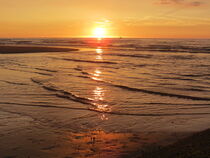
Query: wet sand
[50, 133]
[32, 49]
[195, 146]
[24, 136]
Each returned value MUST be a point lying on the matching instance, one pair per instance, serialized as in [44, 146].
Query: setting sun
[99, 32]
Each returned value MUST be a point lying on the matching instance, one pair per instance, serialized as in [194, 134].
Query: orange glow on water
[99, 143]
[97, 73]
[99, 50]
[99, 92]
[99, 97]
[99, 57]
[96, 79]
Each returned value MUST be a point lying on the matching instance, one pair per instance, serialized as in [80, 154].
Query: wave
[146, 90]
[43, 106]
[182, 57]
[26, 94]
[132, 55]
[191, 89]
[107, 112]
[86, 61]
[24, 66]
[14, 83]
[173, 104]
[162, 93]
[40, 73]
[164, 48]
[73, 97]
[63, 94]
[178, 78]
[48, 70]
[196, 75]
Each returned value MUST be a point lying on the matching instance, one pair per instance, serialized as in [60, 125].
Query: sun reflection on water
[99, 92]
[97, 73]
[99, 101]
[99, 57]
[99, 50]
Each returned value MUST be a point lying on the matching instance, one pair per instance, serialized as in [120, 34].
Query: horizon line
[119, 37]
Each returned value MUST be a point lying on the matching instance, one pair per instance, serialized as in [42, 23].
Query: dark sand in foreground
[195, 146]
[32, 49]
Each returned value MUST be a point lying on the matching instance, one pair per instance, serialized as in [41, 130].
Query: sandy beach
[31, 49]
[195, 146]
[29, 134]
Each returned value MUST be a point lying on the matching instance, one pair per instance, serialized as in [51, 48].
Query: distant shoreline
[32, 49]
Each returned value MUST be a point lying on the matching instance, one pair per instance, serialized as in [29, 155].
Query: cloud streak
[168, 21]
[190, 3]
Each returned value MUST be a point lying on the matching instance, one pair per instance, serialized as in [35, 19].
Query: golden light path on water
[99, 92]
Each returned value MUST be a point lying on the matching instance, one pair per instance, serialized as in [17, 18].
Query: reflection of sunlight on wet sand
[104, 117]
[98, 143]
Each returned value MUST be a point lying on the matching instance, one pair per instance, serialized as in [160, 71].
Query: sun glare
[99, 32]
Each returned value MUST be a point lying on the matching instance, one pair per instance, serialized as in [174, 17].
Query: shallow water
[121, 85]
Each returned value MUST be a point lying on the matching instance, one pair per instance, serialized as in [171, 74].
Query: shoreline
[32, 49]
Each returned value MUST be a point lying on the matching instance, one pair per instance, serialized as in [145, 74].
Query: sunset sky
[78, 18]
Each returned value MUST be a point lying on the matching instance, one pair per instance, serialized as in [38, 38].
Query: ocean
[115, 85]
